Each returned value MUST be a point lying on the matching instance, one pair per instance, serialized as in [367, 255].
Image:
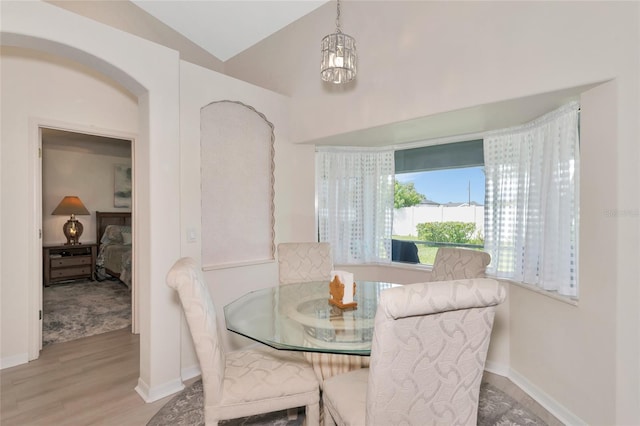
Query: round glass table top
[300, 317]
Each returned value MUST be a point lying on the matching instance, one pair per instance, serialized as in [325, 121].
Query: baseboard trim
[12, 361]
[542, 398]
[153, 394]
[190, 372]
[497, 368]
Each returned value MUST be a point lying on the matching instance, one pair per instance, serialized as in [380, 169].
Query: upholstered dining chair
[428, 353]
[302, 262]
[452, 263]
[242, 383]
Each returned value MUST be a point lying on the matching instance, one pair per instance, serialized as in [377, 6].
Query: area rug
[84, 308]
[496, 408]
[186, 409]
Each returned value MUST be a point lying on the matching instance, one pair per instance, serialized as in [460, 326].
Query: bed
[113, 235]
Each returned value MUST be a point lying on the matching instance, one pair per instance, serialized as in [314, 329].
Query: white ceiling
[226, 28]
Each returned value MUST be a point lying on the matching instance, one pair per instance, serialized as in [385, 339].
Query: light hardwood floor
[91, 381]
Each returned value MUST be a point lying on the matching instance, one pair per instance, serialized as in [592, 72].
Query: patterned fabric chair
[242, 383]
[429, 348]
[456, 264]
[307, 262]
[304, 262]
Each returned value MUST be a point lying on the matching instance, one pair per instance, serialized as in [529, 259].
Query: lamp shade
[70, 205]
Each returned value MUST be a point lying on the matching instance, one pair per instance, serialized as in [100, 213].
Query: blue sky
[451, 185]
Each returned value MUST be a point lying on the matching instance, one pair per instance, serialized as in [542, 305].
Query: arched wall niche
[237, 166]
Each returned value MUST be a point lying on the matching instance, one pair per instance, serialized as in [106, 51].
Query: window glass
[436, 208]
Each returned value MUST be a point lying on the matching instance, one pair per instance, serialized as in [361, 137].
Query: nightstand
[68, 262]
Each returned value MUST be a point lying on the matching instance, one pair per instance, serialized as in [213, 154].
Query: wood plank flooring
[91, 381]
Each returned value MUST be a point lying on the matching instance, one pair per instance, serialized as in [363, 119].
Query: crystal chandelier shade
[339, 57]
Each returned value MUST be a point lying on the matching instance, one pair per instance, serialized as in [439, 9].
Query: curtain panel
[355, 191]
[532, 201]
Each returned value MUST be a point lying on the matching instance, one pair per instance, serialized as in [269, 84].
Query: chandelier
[339, 55]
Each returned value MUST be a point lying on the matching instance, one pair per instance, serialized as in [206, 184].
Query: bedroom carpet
[496, 408]
[84, 308]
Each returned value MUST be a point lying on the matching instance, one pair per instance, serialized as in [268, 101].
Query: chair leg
[210, 418]
[312, 414]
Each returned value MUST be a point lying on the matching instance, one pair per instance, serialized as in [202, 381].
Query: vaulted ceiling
[226, 28]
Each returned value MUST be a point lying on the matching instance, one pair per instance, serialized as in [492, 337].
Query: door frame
[35, 289]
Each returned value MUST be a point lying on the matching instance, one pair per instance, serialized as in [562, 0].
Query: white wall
[132, 63]
[445, 56]
[294, 203]
[88, 175]
[80, 98]
[166, 166]
[434, 57]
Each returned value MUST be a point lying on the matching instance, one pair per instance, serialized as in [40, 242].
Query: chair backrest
[429, 348]
[453, 263]
[304, 262]
[186, 278]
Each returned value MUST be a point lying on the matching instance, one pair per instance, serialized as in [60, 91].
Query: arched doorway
[124, 59]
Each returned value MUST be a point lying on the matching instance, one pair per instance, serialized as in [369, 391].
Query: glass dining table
[299, 317]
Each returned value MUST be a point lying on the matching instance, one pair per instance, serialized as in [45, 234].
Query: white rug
[84, 308]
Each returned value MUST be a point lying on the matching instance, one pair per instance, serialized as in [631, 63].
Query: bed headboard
[103, 219]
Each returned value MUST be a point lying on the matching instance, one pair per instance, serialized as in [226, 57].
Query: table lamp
[71, 205]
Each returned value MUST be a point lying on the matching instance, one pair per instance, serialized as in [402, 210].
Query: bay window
[529, 207]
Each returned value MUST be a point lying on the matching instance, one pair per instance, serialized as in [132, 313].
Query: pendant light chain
[338, 17]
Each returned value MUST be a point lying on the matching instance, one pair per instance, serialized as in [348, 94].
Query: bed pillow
[126, 238]
[112, 235]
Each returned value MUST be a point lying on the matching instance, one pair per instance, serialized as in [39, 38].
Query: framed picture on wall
[122, 186]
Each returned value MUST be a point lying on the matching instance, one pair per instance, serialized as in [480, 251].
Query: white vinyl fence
[406, 218]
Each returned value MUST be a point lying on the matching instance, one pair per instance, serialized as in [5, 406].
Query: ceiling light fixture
[339, 55]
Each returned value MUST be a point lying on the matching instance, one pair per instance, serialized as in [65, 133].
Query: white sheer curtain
[532, 201]
[355, 191]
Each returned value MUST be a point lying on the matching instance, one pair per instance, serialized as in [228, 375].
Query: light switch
[192, 236]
